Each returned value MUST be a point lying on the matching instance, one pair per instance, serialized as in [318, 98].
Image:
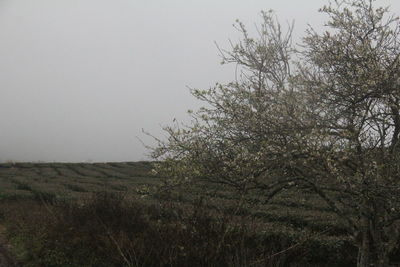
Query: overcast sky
[79, 79]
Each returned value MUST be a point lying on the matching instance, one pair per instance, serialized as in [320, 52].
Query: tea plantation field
[301, 218]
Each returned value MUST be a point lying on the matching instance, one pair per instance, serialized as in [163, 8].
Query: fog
[80, 79]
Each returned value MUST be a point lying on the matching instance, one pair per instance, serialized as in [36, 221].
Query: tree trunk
[380, 248]
[364, 248]
[372, 250]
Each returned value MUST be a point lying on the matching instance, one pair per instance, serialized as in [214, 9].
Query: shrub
[108, 230]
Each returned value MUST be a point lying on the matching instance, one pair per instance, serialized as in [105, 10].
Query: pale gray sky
[79, 79]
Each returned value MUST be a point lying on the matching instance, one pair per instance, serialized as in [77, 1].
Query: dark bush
[108, 230]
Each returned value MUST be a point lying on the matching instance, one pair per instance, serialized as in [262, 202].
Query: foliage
[323, 116]
[108, 230]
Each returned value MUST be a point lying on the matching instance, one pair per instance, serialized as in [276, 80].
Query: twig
[291, 247]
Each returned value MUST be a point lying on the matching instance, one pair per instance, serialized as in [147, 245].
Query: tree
[322, 116]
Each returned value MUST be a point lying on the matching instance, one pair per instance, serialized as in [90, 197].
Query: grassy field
[295, 229]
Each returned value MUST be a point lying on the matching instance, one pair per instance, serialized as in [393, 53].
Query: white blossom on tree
[321, 116]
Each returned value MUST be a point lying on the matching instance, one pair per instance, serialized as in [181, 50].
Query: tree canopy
[322, 115]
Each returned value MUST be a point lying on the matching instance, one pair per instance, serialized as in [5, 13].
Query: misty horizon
[80, 79]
